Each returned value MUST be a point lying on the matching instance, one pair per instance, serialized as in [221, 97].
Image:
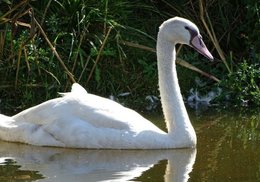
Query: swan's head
[183, 31]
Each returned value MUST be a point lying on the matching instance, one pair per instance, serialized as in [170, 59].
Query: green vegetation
[243, 85]
[108, 47]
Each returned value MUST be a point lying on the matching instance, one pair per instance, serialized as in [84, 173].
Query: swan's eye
[192, 31]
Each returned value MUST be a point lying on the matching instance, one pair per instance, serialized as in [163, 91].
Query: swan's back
[79, 119]
[78, 104]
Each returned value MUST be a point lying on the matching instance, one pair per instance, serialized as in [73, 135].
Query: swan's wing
[49, 111]
[40, 114]
[94, 110]
[103, 112]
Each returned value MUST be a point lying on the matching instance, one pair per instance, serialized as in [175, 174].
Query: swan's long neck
[175, 113]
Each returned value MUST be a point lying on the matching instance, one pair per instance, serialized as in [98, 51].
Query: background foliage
[108, 47]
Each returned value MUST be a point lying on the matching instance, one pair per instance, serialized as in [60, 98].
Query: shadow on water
[228, 150]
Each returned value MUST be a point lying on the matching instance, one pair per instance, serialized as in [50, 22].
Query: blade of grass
[26, 59]
[193, 68]
[139, 46]
[52, 75]
[99, 53]
[2, 43]
[84, 69]
[18, 67]
[12, 10]
[45, 11]
[178, 61]
[211, 33]
[17, 22]
[70, 75]
[82, 36]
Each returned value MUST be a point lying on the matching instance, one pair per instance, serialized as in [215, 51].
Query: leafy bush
[243, 85]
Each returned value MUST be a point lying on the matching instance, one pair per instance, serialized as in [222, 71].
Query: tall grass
[106, 45]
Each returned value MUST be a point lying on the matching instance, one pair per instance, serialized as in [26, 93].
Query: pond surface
[228, 150]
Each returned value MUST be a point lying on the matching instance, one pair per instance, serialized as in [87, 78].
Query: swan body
[82, 120]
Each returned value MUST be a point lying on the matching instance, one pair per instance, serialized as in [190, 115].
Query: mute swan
[82, 120]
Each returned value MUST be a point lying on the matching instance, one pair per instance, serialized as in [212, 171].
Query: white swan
[82, 120]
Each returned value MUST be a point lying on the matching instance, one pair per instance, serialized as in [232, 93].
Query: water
[228, 150]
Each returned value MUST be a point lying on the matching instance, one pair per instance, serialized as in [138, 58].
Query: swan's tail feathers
[76, 89]
[6, 122]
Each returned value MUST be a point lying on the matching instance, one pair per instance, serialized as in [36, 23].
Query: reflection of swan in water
[58, 164]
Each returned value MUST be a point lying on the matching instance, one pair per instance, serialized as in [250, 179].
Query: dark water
[228, 150]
